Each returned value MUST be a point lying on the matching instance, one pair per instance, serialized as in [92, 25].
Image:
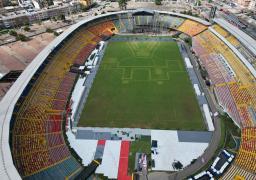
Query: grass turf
[145, 85]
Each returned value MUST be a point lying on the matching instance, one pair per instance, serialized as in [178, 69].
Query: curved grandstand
[34, 111]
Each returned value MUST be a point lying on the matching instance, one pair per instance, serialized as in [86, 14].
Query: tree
[177, 165]
[62, 17]
[13, 33]
[54, 18]
[21, 37]
[189, 13]
[199, 3]
[26, 28]
[158, 2]
[49, 2]
[55, 33]
[49, 30]
[122, 4]
[4, 31]
[188, 40]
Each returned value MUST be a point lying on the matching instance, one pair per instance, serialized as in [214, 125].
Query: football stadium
[123, 96]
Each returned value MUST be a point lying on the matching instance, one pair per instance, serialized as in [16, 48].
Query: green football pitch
[142, 84]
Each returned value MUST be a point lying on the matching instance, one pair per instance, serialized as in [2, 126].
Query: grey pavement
[111, 133]
[194, 79]
[194, 136]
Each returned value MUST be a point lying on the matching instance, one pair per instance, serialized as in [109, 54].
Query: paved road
[213, 145]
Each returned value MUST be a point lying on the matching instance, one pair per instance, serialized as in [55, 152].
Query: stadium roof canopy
[7, 168]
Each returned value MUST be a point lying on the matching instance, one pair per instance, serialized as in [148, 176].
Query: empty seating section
[126, 24]
[243, 75]
[38, 146]
[191, 28]
[198, 47]
[176, 22]
[221, 31]
[170, 21]
[103, 29]
[216, 70]
[245, 116]
[54, 139]
[57, 153]
[233, 41]
[227, 35]
[53, 125]
[249, 56]
[240, 94]
[165, 21]
[68, 166]
[85, 53]
[226, 100]
[236, 173]
[235, 89]
[117, 24]
[247, 151]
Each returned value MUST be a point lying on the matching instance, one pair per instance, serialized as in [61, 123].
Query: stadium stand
[233, 41]
[38, 146]
[170, 21]
[244, 168]
[69, 167]
[247, 153]
[191, 28]
[123, 23]
[103, 29]
[236, 173]
[248, 55]
[221, 31]
[175, 22]
[239, 46]
[227, 35]
[240, 85]
[234, 94]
